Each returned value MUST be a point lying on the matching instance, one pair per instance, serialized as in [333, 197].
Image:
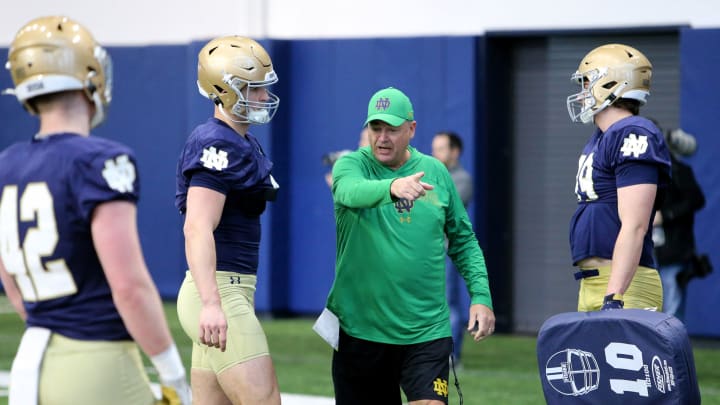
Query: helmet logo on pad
[573, 372]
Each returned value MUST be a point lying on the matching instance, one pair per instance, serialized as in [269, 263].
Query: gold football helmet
[54, 54]
[607, 73]
[228, 69]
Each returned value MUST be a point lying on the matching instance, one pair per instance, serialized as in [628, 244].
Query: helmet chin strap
[258, 117]
[99, 115]
[588, 118]
[252, 116]
[226, 115]
[92, 92]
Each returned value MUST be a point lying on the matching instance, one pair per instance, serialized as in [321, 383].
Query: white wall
[131, 22]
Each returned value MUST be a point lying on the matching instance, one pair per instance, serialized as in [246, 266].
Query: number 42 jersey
[631, 151]
[49, 188]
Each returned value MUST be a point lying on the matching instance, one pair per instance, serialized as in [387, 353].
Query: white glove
[172, 377]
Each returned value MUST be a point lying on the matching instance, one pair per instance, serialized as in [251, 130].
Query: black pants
[366, 372]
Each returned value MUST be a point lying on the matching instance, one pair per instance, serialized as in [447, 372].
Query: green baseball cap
[390, 105]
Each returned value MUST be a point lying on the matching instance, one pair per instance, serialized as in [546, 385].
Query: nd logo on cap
[391, 106]
[383, 103]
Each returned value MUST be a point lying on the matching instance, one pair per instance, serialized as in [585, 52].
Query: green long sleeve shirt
[390, 269]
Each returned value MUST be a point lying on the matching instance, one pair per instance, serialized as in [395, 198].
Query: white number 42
[36, 281]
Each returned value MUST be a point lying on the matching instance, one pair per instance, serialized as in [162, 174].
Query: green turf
[501, 370]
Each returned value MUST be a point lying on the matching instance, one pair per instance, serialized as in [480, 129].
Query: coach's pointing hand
[410, 187]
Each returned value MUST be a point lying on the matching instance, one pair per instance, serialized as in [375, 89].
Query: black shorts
[366, 372]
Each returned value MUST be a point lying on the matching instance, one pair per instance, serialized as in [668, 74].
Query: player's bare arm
[635, 204]
[118, 246]
[204, 209]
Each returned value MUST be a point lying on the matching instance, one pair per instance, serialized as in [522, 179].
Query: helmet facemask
[249, 111]
[594, 95]
[102, 98]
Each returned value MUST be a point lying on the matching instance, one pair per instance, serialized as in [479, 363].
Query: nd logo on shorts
[440, 387]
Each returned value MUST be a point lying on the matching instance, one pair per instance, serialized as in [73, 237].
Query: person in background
[364, 138]
[673, 232]
[619, 172]
[447, 147]
[332, 157]
[71, 261]
[224, 182]
[394, 209]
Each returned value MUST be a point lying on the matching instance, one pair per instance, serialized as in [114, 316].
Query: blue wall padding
[148, 113]
[331, 83]
[699, 89]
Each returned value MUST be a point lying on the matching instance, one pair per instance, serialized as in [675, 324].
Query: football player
[224, 181]
[71, 257]
[619, 172]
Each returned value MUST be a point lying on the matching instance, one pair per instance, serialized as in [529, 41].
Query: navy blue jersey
[50, 187]
[218, 158]
[631, 151]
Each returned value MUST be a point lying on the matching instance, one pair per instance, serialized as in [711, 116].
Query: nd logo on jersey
[634, 145]
[120, 174]
[214, 159]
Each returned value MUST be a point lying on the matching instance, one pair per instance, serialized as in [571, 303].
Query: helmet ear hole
[609, 85]
[91, 88]
[214, 96]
